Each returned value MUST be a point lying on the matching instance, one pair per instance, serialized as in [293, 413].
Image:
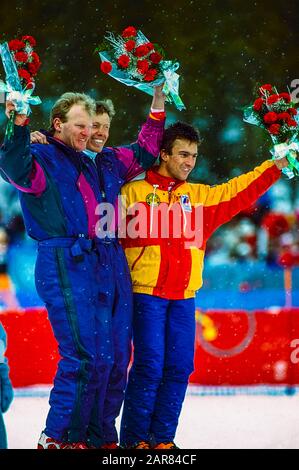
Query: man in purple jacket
[83, 280]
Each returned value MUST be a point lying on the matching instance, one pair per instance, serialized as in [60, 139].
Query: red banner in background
[238, 347]
[32, 350]
[233, 347]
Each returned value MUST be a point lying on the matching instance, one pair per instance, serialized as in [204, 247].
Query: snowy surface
[207, 422]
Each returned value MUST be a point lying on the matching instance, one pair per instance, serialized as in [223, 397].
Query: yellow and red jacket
[171, 266]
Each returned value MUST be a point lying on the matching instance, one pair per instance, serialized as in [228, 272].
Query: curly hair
[179, 130]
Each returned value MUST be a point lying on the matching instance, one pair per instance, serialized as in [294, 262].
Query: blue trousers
[87, 291]
[163, 335]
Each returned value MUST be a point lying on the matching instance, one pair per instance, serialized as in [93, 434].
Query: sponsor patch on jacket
[152, 199]
[185, 203]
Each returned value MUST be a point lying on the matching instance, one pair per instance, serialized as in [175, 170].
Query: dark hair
[105, 106]
[179, 130]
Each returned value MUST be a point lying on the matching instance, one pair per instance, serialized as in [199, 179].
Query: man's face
[76, 131]
[99, 133]
[182, 160]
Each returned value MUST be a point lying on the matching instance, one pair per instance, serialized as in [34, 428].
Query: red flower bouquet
[21, 64]
[276, 113]
[26, 59]
[133, 60]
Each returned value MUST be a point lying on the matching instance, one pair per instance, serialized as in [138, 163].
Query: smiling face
[99, 133]
[76, 130]
[181, 161]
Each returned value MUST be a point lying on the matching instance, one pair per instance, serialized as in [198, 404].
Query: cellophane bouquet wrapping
[277, 114]
[134, 61]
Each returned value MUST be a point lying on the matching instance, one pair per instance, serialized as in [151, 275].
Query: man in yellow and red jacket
[168, 223]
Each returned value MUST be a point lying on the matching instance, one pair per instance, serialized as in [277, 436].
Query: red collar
[166, 183]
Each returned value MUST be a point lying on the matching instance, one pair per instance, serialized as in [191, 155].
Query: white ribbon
[281, 150]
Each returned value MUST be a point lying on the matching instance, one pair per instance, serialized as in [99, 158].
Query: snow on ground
[207, 422]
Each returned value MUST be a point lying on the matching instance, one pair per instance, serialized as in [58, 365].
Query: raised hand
[19, 118]
[158, 98]
[281, 163]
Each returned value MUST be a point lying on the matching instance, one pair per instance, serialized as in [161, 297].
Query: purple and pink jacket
[60, 188]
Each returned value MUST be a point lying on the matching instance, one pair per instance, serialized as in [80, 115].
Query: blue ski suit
[83, 280]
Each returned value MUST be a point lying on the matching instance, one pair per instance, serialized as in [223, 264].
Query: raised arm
[222, 202]
[17, 165]
[142, 154]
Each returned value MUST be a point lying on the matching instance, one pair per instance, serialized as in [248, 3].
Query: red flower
[129, 45]
[258, 104]
[283, 116]
[149, 46]
[16, 45]
[150, 75]
[26, 78]
[21, 56]
[292, 111]
[142, 66]
[266, 87]
[33, 67]
[35, 63]
[274, 129]
[129, 32]
[269, 118]
[106, 67]
[141, 51]
[285, 96]
[155, 57]
[292, 123]
[35, 57]
[24, 74]
[29, 39]
[273, 99]
[123, 61]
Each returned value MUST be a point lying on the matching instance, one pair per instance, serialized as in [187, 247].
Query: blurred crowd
[12, 231]
[267, 231]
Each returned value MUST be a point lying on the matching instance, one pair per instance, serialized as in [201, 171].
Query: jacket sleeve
[222, 202]
[6, 390]
[142, 154]
[18, 166]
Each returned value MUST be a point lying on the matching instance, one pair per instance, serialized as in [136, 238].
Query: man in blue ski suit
[83, 280]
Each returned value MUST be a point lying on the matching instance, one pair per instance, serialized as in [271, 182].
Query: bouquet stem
[10, 126]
